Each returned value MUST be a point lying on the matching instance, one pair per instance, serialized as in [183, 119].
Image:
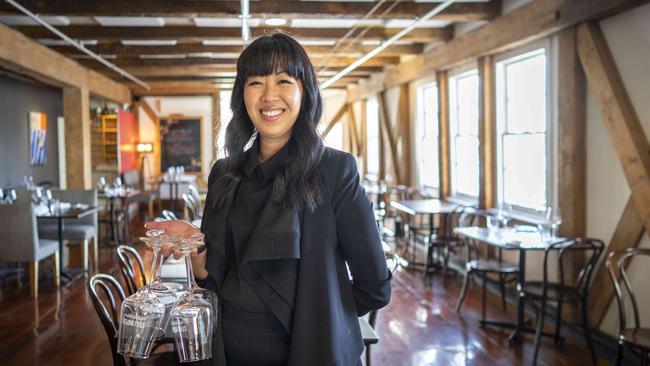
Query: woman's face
[273, 104]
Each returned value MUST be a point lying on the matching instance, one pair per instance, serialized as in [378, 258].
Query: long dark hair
[297, 184]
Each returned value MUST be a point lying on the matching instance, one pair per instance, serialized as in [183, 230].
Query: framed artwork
[181, 143]
[37, 135]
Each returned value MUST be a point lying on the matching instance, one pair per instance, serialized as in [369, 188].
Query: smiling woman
[284, 219]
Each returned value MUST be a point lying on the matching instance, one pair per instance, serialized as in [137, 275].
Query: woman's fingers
[174, 227]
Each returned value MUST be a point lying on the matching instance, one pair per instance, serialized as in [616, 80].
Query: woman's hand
[174, 227]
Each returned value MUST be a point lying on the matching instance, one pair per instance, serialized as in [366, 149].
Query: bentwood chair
[444, 241]
[478, 262]
[169, 215]
[103, 290]
[129, 258]
[564, 290]
[634, 336]
[393, 261]
[192, 210]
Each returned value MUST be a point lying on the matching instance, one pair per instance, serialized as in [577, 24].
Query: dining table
[522, 239]
[125, 196]
[430, 207]
[60, 212]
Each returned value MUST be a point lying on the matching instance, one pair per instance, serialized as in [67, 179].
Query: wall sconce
[144, 147]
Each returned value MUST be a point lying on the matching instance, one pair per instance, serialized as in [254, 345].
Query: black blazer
[323, 302]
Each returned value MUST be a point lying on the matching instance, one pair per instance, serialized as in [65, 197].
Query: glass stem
[156, 265]
[190, 272]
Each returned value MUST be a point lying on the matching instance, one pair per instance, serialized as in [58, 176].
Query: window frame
[456, 73]
[515, 55]
[373, 99]
[420, 86]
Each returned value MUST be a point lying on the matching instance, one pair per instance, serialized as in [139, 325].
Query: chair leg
[368, 355]
[540, 327]
[95, 254]
[502, 285]
[585, 328]
[57, 270]
[619, 354]
[150, 209]
[558, 322]
[644, 358]
[33, 279]
[483, 296]
[85, 254]
[463, 290]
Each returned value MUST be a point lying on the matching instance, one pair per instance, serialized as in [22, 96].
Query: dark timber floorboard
[419, 327]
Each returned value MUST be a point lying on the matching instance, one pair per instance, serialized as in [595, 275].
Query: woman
[283, 217]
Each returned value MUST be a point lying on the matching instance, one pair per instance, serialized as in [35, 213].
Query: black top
[318, 303]
[250, 197]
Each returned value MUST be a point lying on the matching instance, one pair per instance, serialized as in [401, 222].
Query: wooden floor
[419, 327]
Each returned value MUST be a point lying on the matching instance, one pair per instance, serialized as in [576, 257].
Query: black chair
[128, 258]
[108, 313]
[392, 261]
[169, 215]
[635, 336]
[478, 262]
[576, 291]
[445, 242]
[192, 210]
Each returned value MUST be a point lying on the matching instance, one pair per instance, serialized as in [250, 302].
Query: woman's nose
[270, 92]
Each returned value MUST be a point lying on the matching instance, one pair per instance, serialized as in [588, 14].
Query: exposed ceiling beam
[460, 12]
[422, 35]
[146, 71]
[120, 50]
[334, 61]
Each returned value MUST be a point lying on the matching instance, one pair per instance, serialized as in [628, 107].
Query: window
[372, 137]
[464, 144]
[225, 114]
[522, 125]
[426, 141]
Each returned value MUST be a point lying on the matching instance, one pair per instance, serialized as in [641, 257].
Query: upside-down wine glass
[194, 314]
[143, 313]
[157, 239]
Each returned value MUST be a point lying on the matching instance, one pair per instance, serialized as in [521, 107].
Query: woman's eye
[284, 81]
[254, 82]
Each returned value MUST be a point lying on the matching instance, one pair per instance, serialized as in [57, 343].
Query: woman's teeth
[272, 113]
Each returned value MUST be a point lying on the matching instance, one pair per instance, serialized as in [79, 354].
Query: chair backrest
[131, 178]
[73, 196]
[169, 215]
[452, 220]
[128, 258]
[190, 207]
[107, 308]
[617, 273]
[19, 231]
[196, 197]
[474, 217]
[590, 248]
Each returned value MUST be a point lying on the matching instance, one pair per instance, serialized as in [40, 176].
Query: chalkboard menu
[181, 143]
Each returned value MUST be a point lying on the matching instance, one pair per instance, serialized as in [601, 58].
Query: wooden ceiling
[204, 37]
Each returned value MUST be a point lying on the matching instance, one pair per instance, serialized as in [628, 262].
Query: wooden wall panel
[487, 134]
[443, 130]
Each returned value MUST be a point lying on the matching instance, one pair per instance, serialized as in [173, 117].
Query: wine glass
[193, 316]
[156, 238]
[142, 318]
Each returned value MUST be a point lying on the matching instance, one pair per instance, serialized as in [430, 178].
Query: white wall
[628, 37]
[333, 100]
[194, 106]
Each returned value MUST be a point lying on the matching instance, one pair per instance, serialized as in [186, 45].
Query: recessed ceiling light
[275, 22]
[148, 42]
[130, 21]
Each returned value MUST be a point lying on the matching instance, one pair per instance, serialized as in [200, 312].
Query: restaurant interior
[503, 145]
